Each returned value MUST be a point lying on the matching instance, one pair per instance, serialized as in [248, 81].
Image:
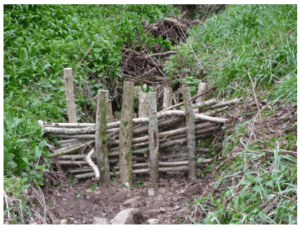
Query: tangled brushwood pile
[137, 63]
[174, 29]
[140, 66]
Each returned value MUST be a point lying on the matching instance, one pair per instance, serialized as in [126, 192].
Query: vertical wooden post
[125, 138]
[143, 104]
[167, 102]
[101, 137]
[110, 117]
[202, 87]
[70, 95]
[190, 131]
[153, 138]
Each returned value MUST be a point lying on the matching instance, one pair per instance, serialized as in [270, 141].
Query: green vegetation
[245, 40]
[41, 40]
[242, 42]
[257, 41]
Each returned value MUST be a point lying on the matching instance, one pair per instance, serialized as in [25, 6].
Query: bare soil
[170, 204]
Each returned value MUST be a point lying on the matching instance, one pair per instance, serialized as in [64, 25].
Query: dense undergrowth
[244, 42]
[39, 42]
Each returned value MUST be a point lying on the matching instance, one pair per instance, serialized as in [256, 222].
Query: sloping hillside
[247, 50]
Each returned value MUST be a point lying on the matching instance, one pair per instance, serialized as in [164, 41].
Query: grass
[259, 41]
[255, 40]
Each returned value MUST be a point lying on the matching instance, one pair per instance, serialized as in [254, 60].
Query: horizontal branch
[223, 104]
[92, 165]
[161, 54]
[193, 98]
[74, 149]
[210, 118]
[204, 104]
[145, 170]
[55, 130]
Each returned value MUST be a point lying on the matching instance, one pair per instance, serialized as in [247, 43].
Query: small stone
[172, 181]
[162, 190]
[128, 216]
[131, 202]
[87, 197]
[152, 221]
[150, 191]
[162, 210]
[97, 220]
[63, 221]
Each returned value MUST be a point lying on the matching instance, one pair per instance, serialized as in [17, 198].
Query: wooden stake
[125, 138]
[202, 87]
[153, 139]
[190, 131]
[143, 104]
[167, 102]
[110, 117]
[70, 95]
[101, 137]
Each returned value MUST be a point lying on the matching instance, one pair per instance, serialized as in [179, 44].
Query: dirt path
[169, 203]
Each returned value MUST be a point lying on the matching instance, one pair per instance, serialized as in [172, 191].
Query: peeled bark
[92, 165]
[70, 95]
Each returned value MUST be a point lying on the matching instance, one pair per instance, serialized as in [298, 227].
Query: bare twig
[7, 207]
[283, 196]
[88, 51]
[258, 110]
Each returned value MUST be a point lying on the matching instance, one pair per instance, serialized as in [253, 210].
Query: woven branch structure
[157, 142]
